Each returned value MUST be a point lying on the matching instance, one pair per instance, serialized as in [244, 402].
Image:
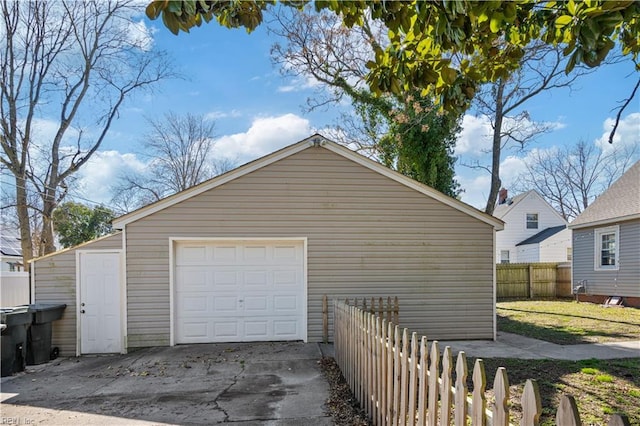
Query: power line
[76, 197]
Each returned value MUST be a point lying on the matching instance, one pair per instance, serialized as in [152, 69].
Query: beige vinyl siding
[622, 282]
[55, 282]
[367, 236]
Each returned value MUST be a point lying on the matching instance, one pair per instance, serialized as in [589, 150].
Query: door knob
[82, 311]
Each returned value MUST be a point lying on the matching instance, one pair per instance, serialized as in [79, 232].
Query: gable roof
[542, 235]
[621, 201]
[501, 210]
[312, 141]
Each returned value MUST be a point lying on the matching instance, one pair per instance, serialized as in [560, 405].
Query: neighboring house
[533, 230]
[249, 255]
[606, 243]
[14, 281]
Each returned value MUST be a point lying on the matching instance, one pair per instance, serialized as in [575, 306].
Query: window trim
[597, 248]
[526, 220]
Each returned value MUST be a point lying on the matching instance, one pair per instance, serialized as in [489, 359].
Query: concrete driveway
[248, 383]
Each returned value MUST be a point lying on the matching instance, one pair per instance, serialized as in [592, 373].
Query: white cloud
[101, 172]
[299, 84]
[475, 136]
[140, 35]
[216, 115]
[476, 188]
[266, 134]
[627, 133]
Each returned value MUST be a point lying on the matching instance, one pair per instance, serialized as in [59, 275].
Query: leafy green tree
[403, 131]
[448, 48]
[77, 223]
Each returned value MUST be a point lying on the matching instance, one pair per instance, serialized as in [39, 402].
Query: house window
[569, 253]
[504, 256]
[606, 248]
[532, 220]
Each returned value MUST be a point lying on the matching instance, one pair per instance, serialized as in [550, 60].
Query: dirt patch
[343, 406]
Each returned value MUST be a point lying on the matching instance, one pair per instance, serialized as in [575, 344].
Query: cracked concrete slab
[250, 384]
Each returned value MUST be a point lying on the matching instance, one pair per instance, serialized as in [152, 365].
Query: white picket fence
[398, 381]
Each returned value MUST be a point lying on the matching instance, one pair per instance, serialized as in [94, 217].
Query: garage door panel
[193, 281]
[242, 291]
[284, 329]
[225, 330]
[224, 254]
[224, 305]
[286, 278]
[286, 254]
[256, 278]
[195, 329]
[191, 254]
[255, 254]
[256, 305]
[194, 304]
[256, 329]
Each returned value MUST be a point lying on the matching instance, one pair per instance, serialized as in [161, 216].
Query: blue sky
[228, 76]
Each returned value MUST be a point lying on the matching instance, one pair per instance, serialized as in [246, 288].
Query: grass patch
[617, 392]
[568, 322]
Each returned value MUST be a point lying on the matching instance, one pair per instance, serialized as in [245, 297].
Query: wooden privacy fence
[376, 306]
[399, 382]
[533, 280]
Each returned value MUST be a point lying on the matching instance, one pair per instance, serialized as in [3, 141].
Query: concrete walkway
[515, 346]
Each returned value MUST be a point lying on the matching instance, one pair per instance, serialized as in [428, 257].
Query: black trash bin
[14, 339]
[39, 348]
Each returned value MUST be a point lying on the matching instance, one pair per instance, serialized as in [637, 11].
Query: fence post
[461, 390]
[424, 380]
[530, 281]
[501, 392]
[325, 319]
[432, 410]
[619, 420]
[567, 414]
[445, 392]
[531, 405]
[396, 375]
[479, 403]
[413, 380]
[390, 377]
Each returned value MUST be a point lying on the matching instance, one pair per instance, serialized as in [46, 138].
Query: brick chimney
[502, 196]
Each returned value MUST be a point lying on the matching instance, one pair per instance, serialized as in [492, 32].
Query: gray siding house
[248, 256]
[606, 243]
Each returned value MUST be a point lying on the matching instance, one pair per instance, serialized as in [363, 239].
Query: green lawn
[600, 387]
[568, 322]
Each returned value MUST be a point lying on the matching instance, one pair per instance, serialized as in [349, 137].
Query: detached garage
[248, 256]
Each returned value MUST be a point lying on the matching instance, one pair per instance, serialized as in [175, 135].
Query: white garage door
[239, 291]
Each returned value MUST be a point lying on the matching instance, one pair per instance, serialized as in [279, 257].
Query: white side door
[99, 302]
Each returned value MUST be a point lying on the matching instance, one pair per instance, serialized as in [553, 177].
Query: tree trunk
[46, 236]
[496, 150]
[23, 221]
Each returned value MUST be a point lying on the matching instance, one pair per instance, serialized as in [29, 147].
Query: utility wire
[76, 197]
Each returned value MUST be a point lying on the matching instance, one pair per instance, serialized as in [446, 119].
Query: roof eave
[605, 221]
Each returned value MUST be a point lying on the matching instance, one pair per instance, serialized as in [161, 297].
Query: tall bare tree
[502, 103]
[570, 178]
[178, 151]
[71, 65]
